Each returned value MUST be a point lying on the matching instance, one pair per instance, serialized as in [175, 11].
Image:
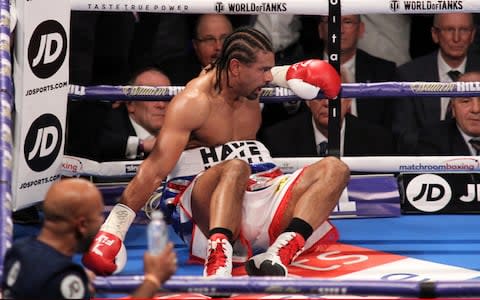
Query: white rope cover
[76, 166]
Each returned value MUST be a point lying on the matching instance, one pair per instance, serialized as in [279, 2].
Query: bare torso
[227, 119]
[198, 116]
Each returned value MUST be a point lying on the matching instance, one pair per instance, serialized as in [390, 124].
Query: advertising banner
[440, 193]
[41, 89]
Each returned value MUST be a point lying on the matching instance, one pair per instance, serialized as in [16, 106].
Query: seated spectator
[131, 128]
[42, 266]
[306, 134]
[208, 34]
[359, 66]
[452, 136]
[454, 34]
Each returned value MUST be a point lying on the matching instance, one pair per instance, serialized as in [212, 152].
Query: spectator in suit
[302, 135]
[42, 266]
[452, 136]
[454, 33]
[208, 34]
[131, 128]
[359, 66]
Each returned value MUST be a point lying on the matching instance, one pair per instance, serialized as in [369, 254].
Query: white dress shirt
[319, 137]
[348, 71]
[133, 141]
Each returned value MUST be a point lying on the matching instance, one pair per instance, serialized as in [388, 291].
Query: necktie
[323, 148]
[476, 145]
[453, 74]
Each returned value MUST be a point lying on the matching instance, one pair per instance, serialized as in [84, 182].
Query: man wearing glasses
[209, 32]
[454, 33]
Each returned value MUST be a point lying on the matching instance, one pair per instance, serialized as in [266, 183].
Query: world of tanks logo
[219, 7]
[394, 5]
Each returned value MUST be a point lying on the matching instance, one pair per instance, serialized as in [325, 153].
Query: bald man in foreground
[42, 266]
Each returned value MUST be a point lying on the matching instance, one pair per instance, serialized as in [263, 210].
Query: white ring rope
[310, 7]
[76, 166]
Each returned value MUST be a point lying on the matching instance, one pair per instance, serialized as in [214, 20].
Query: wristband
[153, 279]
[140, 148]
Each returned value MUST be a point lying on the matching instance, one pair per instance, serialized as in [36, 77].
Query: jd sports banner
[440, 193]
[41, 89]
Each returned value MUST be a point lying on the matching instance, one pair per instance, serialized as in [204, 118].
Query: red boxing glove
[307, 78]
[100, 258]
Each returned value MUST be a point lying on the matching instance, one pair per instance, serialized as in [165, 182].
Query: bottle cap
[157, 214]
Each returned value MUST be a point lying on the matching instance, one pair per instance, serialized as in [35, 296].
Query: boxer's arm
[186, 112]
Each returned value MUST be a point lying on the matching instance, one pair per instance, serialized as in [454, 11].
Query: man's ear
[361, 29]
[130, 106]
[435, 33]
[82, 225]
[234, 66]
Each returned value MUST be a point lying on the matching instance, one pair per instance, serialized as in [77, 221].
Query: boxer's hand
[100, 258]
[307, 78]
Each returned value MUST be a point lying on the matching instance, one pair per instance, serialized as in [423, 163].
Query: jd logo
[42, 143]
[47, 48]
[428, 192]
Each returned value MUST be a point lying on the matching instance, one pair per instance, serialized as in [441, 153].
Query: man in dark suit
[452, 136]
[454, 33]
[131, 128]
[359, 66]
[302, 135]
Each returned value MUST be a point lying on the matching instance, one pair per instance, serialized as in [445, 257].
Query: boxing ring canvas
[410, 248]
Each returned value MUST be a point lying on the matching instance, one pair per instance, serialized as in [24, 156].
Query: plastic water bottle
[157, 233]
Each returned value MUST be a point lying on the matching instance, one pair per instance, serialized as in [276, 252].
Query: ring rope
[197, 284]
[279, 94]
[76, 166]
[308, 7]
[6, 125]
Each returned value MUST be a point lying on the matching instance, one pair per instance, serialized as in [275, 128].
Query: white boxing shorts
[261, 215]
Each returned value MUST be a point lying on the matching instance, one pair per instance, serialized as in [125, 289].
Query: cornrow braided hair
[243, 45]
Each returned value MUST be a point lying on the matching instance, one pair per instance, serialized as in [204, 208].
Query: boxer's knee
[330, 167]
[336, 167]
[236, 168]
